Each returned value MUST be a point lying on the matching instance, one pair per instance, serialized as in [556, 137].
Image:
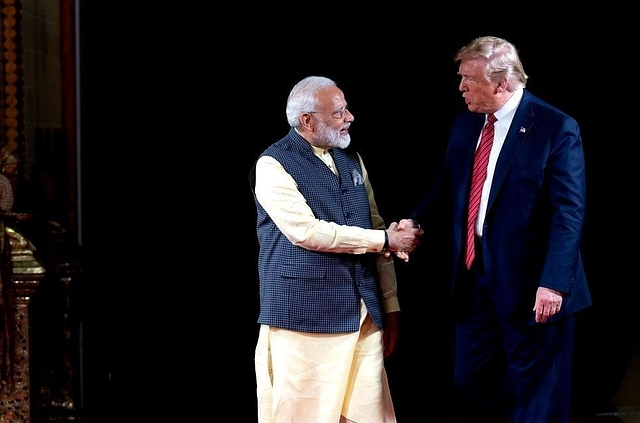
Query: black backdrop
[174, 114]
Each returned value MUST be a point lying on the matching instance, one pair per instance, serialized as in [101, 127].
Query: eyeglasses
[338, 114]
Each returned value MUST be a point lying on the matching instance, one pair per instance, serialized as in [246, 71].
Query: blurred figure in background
[11, 168]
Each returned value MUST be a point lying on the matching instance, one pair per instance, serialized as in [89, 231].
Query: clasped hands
[404, 238]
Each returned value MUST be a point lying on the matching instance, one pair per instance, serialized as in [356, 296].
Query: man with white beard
[328, 292]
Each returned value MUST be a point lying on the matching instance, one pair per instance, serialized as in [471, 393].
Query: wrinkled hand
[404, 238]
[408, 223]
[548, 303]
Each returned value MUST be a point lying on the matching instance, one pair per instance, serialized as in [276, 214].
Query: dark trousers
[506, 371]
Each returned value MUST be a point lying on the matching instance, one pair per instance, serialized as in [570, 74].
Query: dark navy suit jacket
[536, 209]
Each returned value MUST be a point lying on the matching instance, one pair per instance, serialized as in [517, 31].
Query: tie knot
[492, 118]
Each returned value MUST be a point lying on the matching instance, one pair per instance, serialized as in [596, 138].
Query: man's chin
[344, 142]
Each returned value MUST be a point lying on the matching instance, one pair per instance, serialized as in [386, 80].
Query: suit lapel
[517, 135]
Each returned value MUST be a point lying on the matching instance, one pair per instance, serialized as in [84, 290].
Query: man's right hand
[404, 238]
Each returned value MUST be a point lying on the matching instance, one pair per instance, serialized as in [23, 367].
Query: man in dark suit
[519, 281]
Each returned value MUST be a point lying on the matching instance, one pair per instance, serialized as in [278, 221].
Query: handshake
[404, 238]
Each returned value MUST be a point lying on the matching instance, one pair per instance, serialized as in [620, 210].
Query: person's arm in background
[6, 194]
[386, 277]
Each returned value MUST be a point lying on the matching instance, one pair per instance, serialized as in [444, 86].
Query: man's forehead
[331, 95]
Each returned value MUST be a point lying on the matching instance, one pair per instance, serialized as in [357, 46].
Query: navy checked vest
[313, 291]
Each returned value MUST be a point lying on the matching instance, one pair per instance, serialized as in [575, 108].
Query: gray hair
[502, 60]
[303, 99]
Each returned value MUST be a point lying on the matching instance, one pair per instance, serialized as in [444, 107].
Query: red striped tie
[480, 162]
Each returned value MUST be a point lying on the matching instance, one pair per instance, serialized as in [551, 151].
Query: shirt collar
[508, 109]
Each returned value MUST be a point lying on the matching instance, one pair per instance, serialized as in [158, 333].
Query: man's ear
[306, 121]
[502, 86]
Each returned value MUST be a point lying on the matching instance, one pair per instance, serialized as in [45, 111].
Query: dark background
[177, 108]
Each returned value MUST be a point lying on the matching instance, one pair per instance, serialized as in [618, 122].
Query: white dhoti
[320, 378]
